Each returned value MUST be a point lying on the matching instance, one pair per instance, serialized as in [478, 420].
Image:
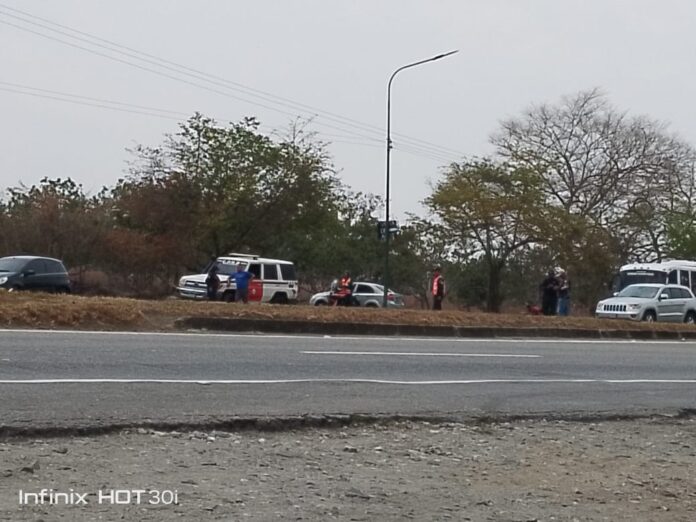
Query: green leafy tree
[489, 211]
[220, 189]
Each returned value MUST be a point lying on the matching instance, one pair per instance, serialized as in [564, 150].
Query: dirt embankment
[521, 471]
[22, 310]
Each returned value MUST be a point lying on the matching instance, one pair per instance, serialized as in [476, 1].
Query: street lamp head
[444, 55]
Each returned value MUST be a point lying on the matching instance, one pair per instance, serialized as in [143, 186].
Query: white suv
[650, 302]
[277, 276]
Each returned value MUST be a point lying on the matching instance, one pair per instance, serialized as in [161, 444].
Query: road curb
[227, 324]
[281, 423]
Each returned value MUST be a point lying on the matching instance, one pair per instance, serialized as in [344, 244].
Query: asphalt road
[77, 378]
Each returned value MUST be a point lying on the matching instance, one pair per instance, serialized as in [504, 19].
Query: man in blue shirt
[241, 280]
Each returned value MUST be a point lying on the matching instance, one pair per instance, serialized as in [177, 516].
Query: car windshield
[12, 264]
[645, 292]
[229, 267]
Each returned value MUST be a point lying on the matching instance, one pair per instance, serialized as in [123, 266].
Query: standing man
[345, 286]
[549, 294]
[438, 289]
[563, 294]
[241, 280]
[212, 282]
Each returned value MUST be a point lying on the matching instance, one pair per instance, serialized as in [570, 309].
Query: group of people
[554, 289]
[241, 279]
[341, 290]
[555, 293]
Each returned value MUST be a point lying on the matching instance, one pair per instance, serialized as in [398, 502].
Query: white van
[673, 272]
[278, 277]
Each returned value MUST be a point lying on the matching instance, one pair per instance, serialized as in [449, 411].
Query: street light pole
[385, 279]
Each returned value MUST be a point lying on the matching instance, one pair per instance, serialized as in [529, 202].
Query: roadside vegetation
[578, 184]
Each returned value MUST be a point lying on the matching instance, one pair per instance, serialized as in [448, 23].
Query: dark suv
[42, 274]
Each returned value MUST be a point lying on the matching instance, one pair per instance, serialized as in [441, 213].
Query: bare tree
[615, 171]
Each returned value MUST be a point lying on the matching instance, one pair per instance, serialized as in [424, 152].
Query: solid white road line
[418, 354]
[351, 338]
[363, 381]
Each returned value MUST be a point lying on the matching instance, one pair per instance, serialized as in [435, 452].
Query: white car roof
[230, 260]
[662, 266]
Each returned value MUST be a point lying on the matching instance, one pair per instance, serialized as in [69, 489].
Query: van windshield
[635, 277]
[645, 292]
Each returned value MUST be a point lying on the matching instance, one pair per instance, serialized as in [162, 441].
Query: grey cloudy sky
[334, 56]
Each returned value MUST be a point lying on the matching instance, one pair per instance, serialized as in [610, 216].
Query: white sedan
[370, 295]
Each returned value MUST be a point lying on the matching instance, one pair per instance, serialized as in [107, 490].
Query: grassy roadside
[22, 310]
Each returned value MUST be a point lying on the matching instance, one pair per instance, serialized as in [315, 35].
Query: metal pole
[385, 278]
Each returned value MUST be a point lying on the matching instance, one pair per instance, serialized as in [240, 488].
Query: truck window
[270, 272]
[684, 278]
[288, 272]
[255, 269]
[672, 279]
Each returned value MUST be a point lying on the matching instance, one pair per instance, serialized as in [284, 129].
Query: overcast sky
[334, 57]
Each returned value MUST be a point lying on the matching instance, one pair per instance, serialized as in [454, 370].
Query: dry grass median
[23, 310]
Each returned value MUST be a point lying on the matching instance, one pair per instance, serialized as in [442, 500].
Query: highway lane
[77, 377]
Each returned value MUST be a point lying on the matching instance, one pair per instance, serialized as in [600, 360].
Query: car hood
[200, 278]
[626, 300]
[320, 294]
[9, 274]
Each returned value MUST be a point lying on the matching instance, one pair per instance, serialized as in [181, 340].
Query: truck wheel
[228, 297]
[279, 298]
[649, 316]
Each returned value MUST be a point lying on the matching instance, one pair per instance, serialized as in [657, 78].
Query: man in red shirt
[438, 289]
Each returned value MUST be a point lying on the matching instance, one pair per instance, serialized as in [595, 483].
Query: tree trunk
[493, 302]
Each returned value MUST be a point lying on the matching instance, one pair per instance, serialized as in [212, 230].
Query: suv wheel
[690, 318]
[649, 316]
[228, 297]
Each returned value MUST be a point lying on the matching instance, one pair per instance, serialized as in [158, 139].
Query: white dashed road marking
[418, 354]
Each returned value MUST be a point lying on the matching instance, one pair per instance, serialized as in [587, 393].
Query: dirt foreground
[521, 471]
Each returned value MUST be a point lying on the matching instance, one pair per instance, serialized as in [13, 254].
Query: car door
[680, 303]
[362, 293]
[669, 308]
[56, 276]
[34, 275]
[271, 281]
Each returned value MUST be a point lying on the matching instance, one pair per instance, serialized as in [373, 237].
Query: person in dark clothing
[438, 289]
[549, 294]
[212, 283]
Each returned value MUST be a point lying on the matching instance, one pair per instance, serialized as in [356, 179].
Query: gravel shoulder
[513, 471]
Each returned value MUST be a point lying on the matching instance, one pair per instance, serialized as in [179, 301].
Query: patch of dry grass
[21, 310]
